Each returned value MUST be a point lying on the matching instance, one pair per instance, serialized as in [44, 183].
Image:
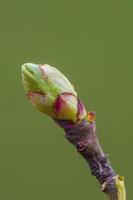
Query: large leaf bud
[51, 92]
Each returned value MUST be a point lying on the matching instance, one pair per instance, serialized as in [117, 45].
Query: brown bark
[83, 136]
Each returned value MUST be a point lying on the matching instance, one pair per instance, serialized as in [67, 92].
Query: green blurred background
[91, 42]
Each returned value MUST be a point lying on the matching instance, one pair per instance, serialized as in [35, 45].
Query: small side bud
[91, 116]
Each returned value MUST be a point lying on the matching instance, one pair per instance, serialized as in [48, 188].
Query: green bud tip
[51, 92]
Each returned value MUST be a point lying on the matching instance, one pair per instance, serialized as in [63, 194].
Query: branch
[84, 137]
[52, 93]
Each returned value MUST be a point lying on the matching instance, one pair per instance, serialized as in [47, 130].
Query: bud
[51, 92]
[91, 116]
